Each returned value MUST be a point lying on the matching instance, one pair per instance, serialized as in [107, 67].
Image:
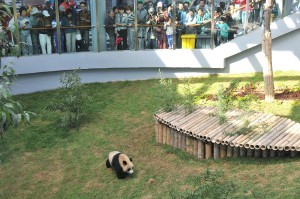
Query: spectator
[224, 30]
[70, 31]
[50, 10]
[130, 29]
[181, 18]
[35, 17]
[121, 22]
[141, 16]
[45, 33]
[84, 19]
[25, 37]
[151, 31]
[110, 28]
[65, 4]
[190, 22]
[161, 32]
[169, 32]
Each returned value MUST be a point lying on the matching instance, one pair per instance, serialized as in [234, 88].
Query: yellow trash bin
[188, 41]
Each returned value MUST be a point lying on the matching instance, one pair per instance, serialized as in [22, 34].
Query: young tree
[11, 112]
[267, 52]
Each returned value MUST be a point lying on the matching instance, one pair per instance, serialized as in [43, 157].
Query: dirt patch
[279, 94]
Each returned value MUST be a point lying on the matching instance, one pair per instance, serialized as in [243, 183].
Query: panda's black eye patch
[129, 169]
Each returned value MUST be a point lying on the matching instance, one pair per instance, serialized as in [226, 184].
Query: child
[169, 32]
[224, 29]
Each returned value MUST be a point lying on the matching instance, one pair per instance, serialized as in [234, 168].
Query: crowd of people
[155, 21]
[158, 24]
[37, 28]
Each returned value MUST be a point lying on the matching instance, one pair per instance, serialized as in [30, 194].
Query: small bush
[188, 99]
[225, 100]
[70, 100]
[166, 94]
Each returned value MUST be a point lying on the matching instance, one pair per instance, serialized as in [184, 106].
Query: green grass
[41, 160]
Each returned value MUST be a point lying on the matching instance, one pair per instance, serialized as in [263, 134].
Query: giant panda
[120, 163]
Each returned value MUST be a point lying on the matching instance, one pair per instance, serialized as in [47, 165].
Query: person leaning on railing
[151, 32]
[110, 28]
[45, 32]
[141, 16]
[35, 14]
[24, 30]
[68, 23]
[121, 23]
[130, 27]
[84, 19]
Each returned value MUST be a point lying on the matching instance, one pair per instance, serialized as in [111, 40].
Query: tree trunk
[267, 53]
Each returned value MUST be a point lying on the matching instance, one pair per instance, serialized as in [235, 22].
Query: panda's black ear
[124, 162]
[130, 159]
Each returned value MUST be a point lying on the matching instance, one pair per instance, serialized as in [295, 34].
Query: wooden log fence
[201, 135]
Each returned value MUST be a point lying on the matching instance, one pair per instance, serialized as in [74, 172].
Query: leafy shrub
[70, 100]
[11, 112]
[225, 100]
[188, 99]
[166, 94]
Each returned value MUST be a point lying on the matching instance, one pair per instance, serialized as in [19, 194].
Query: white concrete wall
[240, 55]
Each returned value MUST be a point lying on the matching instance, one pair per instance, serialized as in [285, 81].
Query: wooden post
[242, 152]
[179, 140]
[156, 130]
[223, 151]
[201, 149]
[265, 153]
[250, 152]
[183, 142]
[257, 153]
[187, 143]
[168, 136]
[236, 152]
[293, 154]
[267, 53]
[272, 153]
[172, 137]
[212, 27]
[17, 28]
[136, 39]
[58, 31]
[229, 151]
[208, 154]
[173, 24]
[175, 139]
[165, 134]
[216, 151]
[195, 151]
[160, 133]
[281, 154]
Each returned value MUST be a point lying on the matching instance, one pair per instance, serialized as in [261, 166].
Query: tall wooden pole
[17, 29]
[58, 31]
[212, 27]
[174, 24]
[136, 40]
[267, 53]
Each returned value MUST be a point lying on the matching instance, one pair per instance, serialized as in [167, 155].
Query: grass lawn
[41, 160]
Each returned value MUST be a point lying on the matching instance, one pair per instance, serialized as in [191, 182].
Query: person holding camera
[84, 19]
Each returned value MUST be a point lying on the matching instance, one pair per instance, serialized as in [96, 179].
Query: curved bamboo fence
[249, 134]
